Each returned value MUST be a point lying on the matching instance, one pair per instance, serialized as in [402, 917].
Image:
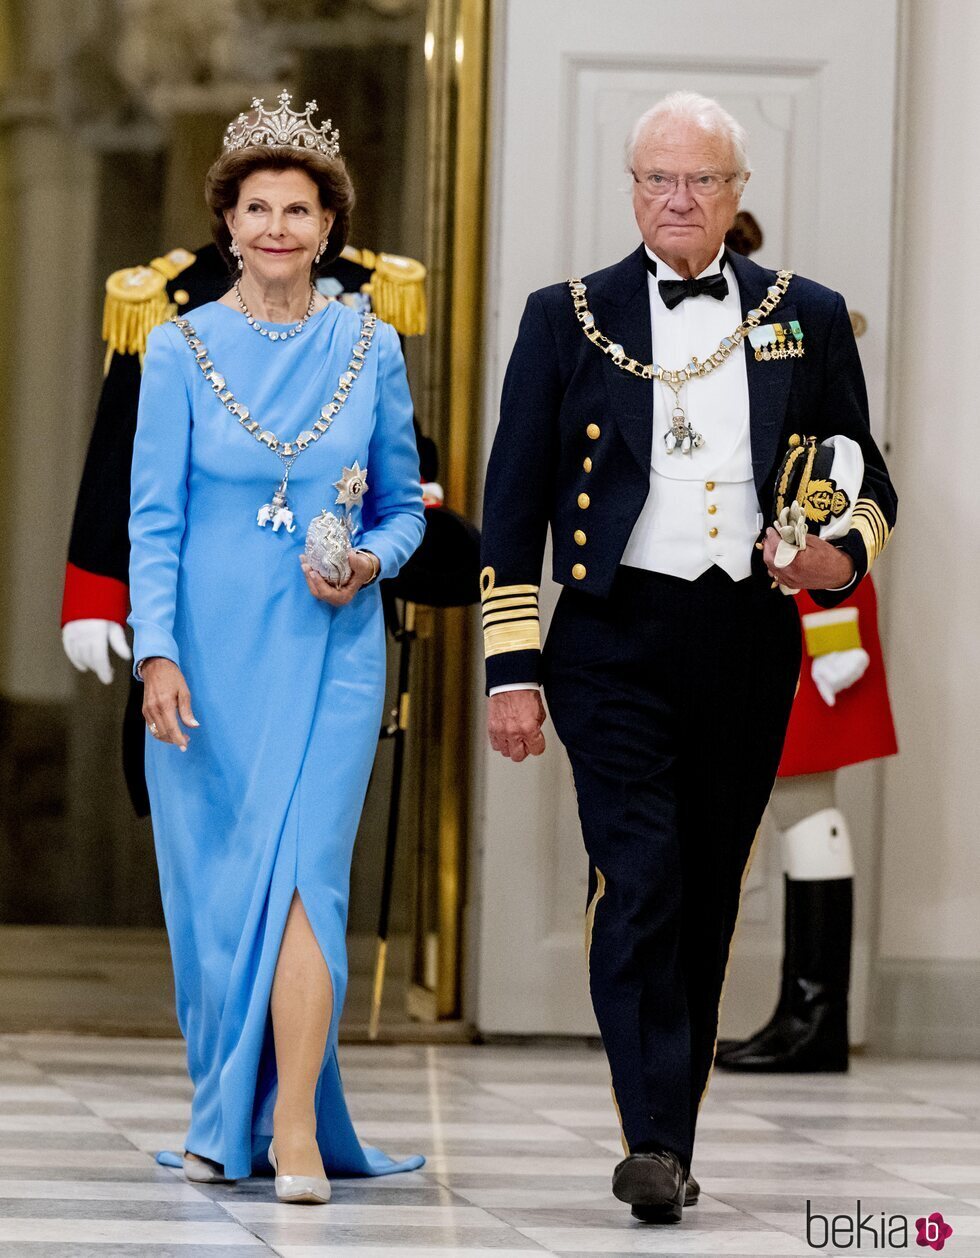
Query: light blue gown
[289, 691]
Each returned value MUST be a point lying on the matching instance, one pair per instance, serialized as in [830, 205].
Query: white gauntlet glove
[837, 670]
[87, 643]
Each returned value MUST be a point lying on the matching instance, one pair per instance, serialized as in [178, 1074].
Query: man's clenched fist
[514, 721]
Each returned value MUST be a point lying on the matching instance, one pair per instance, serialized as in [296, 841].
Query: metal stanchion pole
[396, 730]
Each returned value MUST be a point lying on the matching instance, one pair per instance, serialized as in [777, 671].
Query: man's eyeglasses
[658, 186]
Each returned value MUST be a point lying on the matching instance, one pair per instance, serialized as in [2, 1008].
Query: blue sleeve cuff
[150, 642]
[375, 541]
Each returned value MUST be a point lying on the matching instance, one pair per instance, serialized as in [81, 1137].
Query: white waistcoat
[702, 508]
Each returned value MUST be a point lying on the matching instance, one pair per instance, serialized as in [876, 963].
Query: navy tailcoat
[573, 446]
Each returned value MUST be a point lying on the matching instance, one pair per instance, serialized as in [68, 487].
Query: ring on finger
[153, 728]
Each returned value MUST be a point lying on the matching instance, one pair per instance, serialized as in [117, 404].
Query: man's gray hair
[703, 112]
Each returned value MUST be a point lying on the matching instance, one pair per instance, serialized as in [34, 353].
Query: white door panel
[814, 88]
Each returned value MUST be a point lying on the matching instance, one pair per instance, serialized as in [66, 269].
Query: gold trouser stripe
[728, 962]
[517, 613]
[619, 1116]
[520, 635]
[600, 891]
[841, 635]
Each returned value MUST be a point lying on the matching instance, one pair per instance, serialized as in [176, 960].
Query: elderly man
[672, 659]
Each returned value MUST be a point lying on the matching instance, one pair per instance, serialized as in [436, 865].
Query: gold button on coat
[587, 465]
[578, 572]
[584, 500]
[712, 532]
[709, 485]
[712, 509]
[579, 537]
[593, 430]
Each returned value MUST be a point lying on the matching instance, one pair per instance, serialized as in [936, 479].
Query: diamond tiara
[283, 126]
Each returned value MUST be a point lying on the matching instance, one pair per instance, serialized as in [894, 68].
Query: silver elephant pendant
[328, 546]
[276, 512]
[681, 435]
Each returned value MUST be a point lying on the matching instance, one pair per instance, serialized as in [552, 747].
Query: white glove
[791, 527]
[87, 643]
[792, 530]
[837, 670]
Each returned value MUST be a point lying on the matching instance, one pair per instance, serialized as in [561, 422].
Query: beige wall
[931, 898]
[929, 893]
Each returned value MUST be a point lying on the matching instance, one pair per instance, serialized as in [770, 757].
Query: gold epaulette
[136, 302]
[396, 287]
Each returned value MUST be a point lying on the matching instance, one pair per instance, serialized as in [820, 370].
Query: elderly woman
[264, 678]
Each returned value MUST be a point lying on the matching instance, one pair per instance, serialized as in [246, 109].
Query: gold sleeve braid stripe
[871, 524]
[492, 617]
[510, 616]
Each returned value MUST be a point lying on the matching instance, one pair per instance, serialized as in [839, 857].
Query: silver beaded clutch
[328, 546]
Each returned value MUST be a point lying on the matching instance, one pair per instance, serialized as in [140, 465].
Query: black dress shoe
[654, 1184]
[692, 1192]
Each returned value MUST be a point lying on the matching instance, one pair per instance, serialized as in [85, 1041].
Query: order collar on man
[717, 404]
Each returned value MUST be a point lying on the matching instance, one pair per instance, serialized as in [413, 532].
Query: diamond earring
[319, 252]
[236, 251]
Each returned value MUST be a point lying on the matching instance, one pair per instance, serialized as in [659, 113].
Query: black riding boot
[808, 1031]
[782, 1005]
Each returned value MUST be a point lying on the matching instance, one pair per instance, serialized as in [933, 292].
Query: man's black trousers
[672, 699]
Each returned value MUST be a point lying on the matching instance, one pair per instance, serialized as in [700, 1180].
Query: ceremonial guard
[656, 415]
[139, 298]
[841, 716]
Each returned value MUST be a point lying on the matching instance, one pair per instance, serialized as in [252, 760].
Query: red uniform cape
[859, 726]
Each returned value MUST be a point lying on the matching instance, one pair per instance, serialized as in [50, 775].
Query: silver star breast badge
[352, 485]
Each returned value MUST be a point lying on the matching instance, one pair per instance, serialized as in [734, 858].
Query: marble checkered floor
[520, 1142]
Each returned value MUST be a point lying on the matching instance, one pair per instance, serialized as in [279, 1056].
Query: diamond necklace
[680, 433]
[252, 322]
[277, 512]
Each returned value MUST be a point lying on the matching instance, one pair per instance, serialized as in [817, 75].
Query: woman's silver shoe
[200, 1170]
[313, 1190]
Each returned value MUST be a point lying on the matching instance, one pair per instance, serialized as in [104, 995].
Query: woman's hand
[165, 698]
[364, 566]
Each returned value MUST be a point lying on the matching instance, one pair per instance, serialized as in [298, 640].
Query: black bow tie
[673, 292]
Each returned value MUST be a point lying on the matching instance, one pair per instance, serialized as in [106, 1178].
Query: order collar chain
[680, 434]
[277, 512]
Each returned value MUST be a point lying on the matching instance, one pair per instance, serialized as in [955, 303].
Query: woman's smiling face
[279, 224]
